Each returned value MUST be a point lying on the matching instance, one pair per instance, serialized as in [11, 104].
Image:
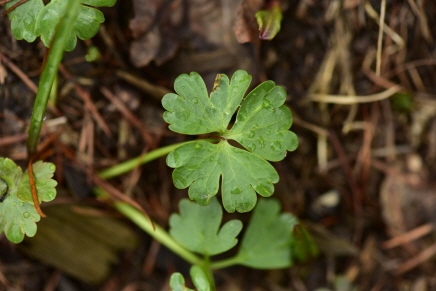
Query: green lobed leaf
[23, 19]
[261, 127]
[18, 218]
[191, 111]
[200, 164]
[45, 185]
[197, 228]
[269, 22]
[262, 123]
[268, 238]
[177, 282]
[32, 19]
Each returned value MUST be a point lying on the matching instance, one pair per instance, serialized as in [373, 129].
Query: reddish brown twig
[13, 6]
[33, 188]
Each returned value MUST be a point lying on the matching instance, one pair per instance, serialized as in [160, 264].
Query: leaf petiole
[225, 263]
[131, 164]
[158, 233]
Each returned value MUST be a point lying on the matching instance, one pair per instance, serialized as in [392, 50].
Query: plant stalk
[225, 263]
[48, 75]
[158, 233]
[129, 165]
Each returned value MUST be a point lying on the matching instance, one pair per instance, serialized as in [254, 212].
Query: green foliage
[267, 242]
[197, 228]
[261, 127]
[271, 240]
[269, 22]
[177, 282]
[33, 19]
[18, 216]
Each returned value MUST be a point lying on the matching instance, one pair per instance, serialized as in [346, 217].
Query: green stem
[129, 165]
[54, 58]
[157, 233]
[208, 271]
[225, 263]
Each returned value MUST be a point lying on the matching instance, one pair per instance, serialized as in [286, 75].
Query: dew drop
[275, 146]
[196, 100]
[261, 142]
[211, 159]
[21, 203]
[266, 104]
[251, 147]
[26, 214]
[251, 134]
[236, 191]
[15, 203]
[198, 146]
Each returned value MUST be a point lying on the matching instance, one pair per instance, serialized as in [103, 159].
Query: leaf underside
[18, 216]
[32, 19]
[261, 127]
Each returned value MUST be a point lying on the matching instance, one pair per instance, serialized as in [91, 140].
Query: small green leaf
[199, 278]
[197, 228]
[93, 54]
[269, 22]
[200, 164]
[177, 282]
[191, 111]
[32, 19]
[18, 217]
[262, 127]
[268, 238]
[262, 123]
[23, 18]
[45, 185]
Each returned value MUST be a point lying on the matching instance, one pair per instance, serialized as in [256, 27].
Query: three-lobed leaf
[18, 216]
[197, 228]
[32, 19]
[200, 164]
[268, 239]
[261, 126]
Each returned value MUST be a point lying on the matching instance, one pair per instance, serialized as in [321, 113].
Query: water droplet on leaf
[26, 214]
[251, 134]
[266, 104]
[21, 203]
[198, 146]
